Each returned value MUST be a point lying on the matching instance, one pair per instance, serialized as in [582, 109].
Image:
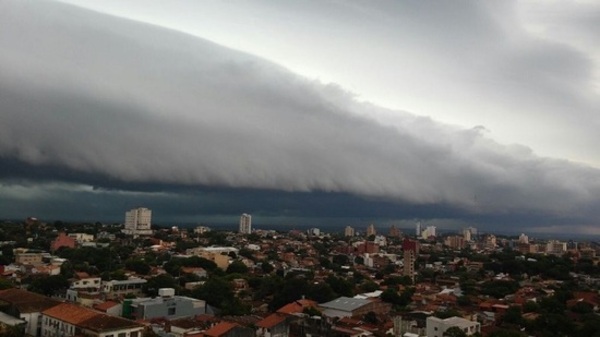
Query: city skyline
[100, 112]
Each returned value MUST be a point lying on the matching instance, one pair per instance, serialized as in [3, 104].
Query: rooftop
[345, 303]
[26, 301]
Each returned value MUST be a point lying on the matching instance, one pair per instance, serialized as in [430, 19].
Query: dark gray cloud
[99, 101]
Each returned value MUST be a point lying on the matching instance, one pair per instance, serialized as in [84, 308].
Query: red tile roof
[271, 321]
[70, 313]
[26, 301]
[87, 318]
[297, 306]
[104, 306]
[219, 329]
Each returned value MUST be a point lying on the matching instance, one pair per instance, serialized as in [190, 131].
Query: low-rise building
[119, 288]
[436, 327]
[27, 306]
[351, 307]
[66, 319]
[167, 306]
[29, 258]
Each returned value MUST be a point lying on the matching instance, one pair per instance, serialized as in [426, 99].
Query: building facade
[167, 306]
[246, 224]
[411, 251]
[65, 320]
[119, 288]
[437, 326]
[371, 230]
[138, 221]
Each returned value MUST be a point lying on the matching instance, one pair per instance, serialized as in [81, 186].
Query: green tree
[5, 284]
[369, 286]
[266, 267]
[49, 285]
[160, 281]
[216, 291]
[340, 286]
[454, 332]
[371, 317]
[237, 267]
[138, 265]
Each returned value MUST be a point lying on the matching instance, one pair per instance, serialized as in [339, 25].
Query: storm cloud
[110, 102]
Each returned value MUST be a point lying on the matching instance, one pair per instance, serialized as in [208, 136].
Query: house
[437, 326]
[167, 306]
[119, 288]
[274, 325]
[68, 319]
[109, 308]
[84, 290]
[27, 306]
[8, 322]
[63, 240]
[29, 258]
[350, 307]
[82, 237]
[227, 329]
[198, 271]
[297, 306]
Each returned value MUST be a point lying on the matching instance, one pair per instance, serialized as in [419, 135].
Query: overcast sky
[457, 113]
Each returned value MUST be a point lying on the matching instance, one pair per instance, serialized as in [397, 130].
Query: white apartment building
[246, 224]
[429, 231]
[138, 222]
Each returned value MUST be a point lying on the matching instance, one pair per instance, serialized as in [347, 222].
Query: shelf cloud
[87, 98]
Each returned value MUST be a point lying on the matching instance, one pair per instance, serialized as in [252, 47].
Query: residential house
[437, 326]
[66, 320]
[351, 307]
[63, 240]
[227, 329]
[119, 288]
[27, 306]
[167, 306]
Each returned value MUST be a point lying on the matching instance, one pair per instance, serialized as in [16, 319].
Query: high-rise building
[371, 230]
[430, 231]
[411, 251]
[466, 234]
[138, 221]
[523, 238]
[349, 231]
[418, 229]
[246, 223]
[394, 232]
[455, 242]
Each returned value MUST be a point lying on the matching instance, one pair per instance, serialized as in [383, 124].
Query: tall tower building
[467, 234]
[418, 229]
[371, 230]
[394, 232]
[411, 251]
[246, 224]
[349, 231]
[138, 221]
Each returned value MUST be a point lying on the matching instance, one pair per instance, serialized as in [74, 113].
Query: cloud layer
[98, 96]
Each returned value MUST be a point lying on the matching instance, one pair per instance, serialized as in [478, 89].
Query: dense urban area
[136, 279]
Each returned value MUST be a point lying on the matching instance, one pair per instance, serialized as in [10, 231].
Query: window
[171, 311]
[122, 334]
[134, 334]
